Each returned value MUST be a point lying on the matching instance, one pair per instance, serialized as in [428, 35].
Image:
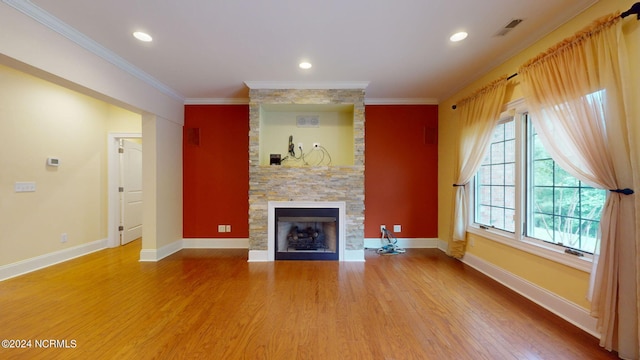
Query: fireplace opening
[306, 233]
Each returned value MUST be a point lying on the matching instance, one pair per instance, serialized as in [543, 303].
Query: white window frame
[516, 110]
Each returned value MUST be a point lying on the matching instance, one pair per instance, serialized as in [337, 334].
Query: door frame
[113, 182]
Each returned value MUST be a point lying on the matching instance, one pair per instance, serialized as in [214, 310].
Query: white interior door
[131, 191]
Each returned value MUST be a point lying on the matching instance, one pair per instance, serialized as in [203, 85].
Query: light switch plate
[24, 186]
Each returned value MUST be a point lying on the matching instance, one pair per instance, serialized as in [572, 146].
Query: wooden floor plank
[213, 304]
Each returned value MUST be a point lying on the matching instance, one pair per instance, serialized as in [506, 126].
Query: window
[561, 209]
[555, 207]
[496, 182]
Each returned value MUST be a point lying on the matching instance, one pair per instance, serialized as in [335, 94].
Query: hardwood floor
[212, 304]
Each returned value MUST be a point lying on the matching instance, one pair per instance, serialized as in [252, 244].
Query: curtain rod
[634, 10]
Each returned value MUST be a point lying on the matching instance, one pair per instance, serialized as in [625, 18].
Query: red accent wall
[216, 171]
[401, 165]
[401, 170]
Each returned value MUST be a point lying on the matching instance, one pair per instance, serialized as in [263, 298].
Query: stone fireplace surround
[271, 186]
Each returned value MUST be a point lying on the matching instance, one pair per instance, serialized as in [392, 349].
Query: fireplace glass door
[306, 233]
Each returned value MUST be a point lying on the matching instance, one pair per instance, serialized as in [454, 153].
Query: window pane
[592, 202]
[484, 175]
[566, 231]
[483, 215]
[542, 174]
[567, 202]
[509, 220]
[542, 227]
[495, 180]
[497, 174]
[538, 150]
[484, 197]
[497, 153]
[543, 200]
[497, 217]
[498, 134]
[497, 196]
[510, 197]
[588, 234]
[562, 178]
[510, 130]
[561, 209]
[510, 151]
[510, 174]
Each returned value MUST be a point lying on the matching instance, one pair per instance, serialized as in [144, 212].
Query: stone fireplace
[307, 185]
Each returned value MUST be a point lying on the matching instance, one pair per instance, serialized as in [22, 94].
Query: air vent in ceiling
[510, 26]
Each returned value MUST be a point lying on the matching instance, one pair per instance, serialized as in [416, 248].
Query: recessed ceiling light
[305, 65]
[142, 36]
[459, 36]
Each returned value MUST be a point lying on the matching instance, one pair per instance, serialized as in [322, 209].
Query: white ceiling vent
[510, 26]
[309, 121]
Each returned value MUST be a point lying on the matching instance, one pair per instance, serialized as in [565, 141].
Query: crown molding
[245, 101]
[62, 28]
[401, 101]
[301, 85]
[216, 101]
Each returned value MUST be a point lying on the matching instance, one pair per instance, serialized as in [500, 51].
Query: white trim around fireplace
[269, 254]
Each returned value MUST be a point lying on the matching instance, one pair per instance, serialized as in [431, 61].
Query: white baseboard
[407, 243]
[565, 309]
[209, 243]
[354, 255]
[258, 256]
[443, 245]
[153, 255]
[43, 261]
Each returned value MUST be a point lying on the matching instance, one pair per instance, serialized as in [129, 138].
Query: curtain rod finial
[635, 9]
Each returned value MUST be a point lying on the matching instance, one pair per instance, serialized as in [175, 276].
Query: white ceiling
[206, 49]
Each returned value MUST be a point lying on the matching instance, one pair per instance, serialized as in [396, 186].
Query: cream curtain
[576, 95]
[478, 115]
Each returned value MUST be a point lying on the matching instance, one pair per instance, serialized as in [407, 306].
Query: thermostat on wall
[53, 161]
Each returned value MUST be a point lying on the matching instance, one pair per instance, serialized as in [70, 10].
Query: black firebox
[306, 233]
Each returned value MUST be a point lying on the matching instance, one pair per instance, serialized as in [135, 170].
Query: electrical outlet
[300, 146]
[382, 227]
[222, 228]
[397, 228]
[227, 228]
[315, 145]
[63, 238]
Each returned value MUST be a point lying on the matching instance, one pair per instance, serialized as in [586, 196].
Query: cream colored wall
[564, 281]
[39, 119]
[335, 133]
[36, 49]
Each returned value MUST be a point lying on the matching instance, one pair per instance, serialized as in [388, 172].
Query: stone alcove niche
[341, 183]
